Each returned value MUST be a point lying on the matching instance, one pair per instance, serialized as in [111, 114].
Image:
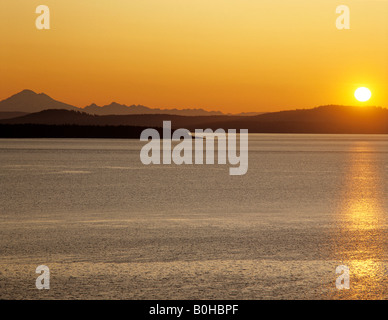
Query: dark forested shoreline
[69, 131]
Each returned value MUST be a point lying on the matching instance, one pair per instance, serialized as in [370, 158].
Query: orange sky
[228, 55]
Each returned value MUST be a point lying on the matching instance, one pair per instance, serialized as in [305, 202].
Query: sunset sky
[227, 55]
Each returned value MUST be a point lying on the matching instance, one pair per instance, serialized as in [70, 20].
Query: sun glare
[363, 94]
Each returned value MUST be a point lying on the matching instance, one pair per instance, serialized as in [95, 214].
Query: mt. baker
[28, 101]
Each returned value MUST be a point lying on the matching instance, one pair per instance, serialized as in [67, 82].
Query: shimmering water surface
[109, 227]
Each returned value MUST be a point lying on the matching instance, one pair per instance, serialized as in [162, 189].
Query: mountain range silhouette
[325, 119]
[28, 101]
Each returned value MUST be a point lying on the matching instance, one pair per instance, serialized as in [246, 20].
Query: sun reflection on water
[361, 242]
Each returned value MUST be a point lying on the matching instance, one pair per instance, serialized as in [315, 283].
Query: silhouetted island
[75, 124]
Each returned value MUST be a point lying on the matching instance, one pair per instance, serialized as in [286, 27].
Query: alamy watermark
[42, 22]
[43, 281]
[160, 150]
[343, 281]
[343, 20]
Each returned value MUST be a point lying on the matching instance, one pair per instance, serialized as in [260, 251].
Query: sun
[363, 94]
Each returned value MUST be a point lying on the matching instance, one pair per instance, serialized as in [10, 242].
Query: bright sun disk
[362, 94]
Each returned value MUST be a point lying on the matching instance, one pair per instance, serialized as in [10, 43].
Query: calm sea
[108, 226]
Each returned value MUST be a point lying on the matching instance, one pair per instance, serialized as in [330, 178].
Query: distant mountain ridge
[121, 109]
[324, 119]
[28, 101]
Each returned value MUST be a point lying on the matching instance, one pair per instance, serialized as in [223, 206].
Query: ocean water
[109, 227]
